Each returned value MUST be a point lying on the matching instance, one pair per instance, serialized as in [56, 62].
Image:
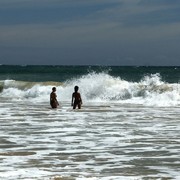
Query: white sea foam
[151, 90]
[117, 141]
[120, 132]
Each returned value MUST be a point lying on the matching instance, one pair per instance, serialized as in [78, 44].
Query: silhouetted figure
[76, 98]
[53, 98]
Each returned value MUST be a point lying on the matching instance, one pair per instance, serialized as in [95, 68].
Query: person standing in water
[76, 98]
[53, 98]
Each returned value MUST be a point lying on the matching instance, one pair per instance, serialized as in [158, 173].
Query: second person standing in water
[53, 98]
[76, 98]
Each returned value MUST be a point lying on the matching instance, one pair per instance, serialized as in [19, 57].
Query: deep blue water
[64, 73]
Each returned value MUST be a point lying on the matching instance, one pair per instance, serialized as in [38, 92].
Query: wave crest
[151, 90]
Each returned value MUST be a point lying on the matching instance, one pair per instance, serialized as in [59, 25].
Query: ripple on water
[100, 142]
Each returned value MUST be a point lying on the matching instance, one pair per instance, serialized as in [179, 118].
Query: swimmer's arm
[55, 98]
[57, 102]
[51, 97]
[72, 99]
[80, 98]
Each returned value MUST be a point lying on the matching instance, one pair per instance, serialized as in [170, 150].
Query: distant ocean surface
[128, 127]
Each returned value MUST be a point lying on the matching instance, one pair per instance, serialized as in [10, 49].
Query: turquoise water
[128, 127]
[63, 73]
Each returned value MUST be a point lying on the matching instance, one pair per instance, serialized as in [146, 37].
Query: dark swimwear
[77, 103]
[53, 104]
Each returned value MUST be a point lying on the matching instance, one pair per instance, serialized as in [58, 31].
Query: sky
[90, 32]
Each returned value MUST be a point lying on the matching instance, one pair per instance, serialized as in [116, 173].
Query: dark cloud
[156, 17]
[61, 12]
[159, 2]
[116, 32]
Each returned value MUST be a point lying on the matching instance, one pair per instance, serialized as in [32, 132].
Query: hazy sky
[90, 32]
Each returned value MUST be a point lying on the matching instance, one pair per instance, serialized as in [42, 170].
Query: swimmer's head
[76, 88]
[54, 89]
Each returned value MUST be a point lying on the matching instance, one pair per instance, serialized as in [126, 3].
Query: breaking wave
[99, 87]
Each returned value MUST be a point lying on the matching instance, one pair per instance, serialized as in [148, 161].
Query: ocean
[127, 129]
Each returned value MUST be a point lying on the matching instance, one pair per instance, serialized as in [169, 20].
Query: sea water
[128, 127]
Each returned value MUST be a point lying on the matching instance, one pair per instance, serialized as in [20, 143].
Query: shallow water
[101, 141]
